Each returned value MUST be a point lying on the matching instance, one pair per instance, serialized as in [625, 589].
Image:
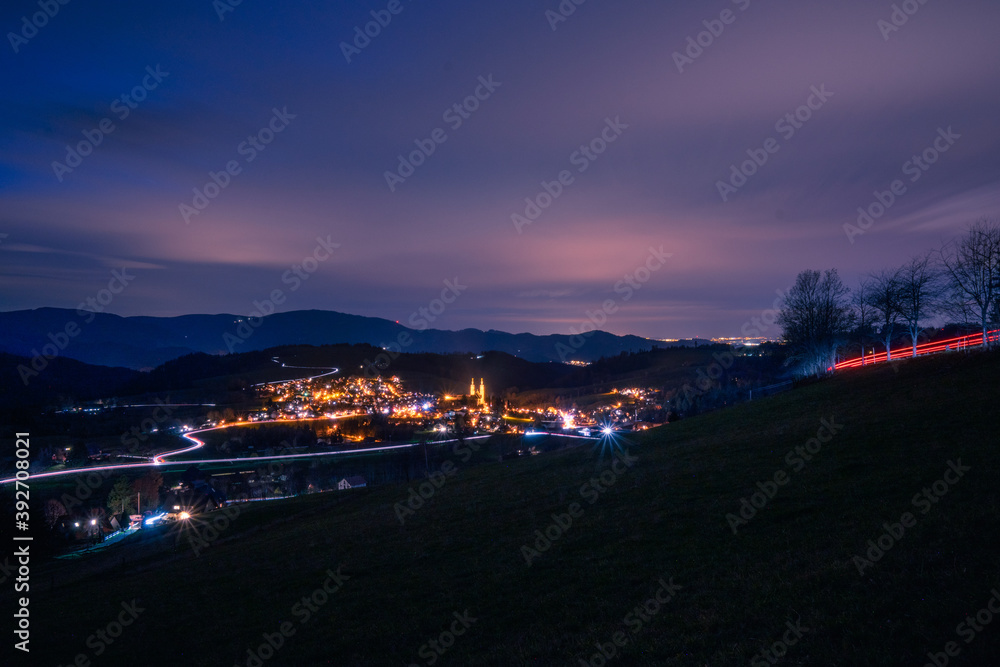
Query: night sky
[669, 138]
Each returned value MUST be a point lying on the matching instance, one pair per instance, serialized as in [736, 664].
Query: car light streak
[934, 347]
[158, 460]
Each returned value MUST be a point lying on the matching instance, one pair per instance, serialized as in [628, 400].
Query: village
[624, 409]
[145, 501]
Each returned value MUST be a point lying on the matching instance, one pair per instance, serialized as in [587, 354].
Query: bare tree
[53, 510]
[918, 294]
[863, 313]
[884, 299]
[971, 266]
[815, 319]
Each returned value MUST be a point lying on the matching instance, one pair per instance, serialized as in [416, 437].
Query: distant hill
[62, 380]
[223, 379]
[147, 342]
[212, 375]
[821, 551]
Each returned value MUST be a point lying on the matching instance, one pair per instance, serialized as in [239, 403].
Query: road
[331, 370]
[197, 443]
[159, 459]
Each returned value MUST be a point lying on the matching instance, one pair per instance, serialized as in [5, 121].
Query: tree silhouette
[885, 298]
[120, 499]
[815, 319]
[971, 266]
[918, 293]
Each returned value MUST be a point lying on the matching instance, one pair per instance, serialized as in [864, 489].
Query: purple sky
[323, 175]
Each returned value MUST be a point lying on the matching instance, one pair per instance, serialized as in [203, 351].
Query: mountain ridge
[143, 342]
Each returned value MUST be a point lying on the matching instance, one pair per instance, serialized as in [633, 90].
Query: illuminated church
[481, 394]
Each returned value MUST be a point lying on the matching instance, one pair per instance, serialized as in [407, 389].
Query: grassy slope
[663, 518]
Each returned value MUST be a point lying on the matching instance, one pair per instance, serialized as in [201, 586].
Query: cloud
[324, 175]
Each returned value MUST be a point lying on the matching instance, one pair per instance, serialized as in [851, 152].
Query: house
[354, 482]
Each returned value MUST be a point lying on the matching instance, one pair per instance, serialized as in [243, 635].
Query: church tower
[482, 392]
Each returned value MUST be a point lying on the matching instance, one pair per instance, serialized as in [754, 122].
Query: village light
[185, 515]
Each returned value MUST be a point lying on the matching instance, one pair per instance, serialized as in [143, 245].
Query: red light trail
[934, 347]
